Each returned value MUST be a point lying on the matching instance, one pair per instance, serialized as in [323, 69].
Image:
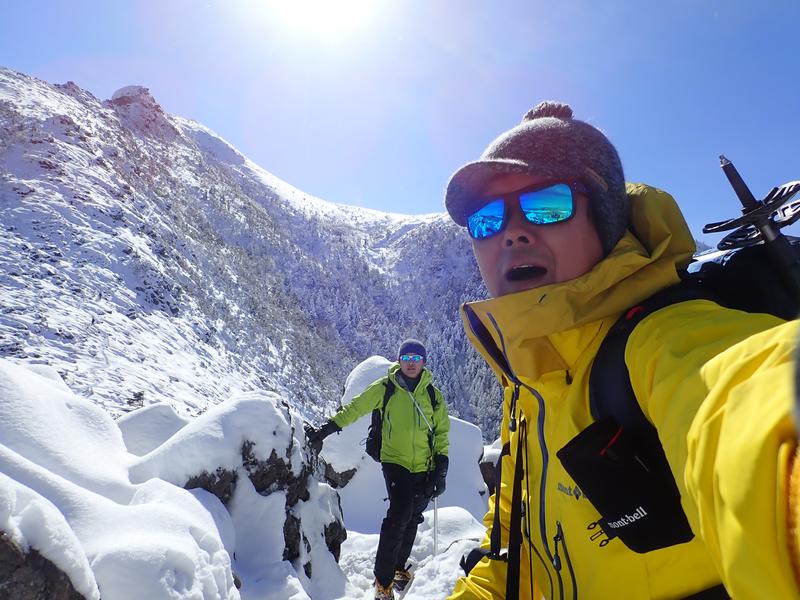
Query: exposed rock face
[335, 535]
[221, 483]
[137, 108]
[275, 475]
[487, 471]
[292, 535]
[335, 479]
[30, 576]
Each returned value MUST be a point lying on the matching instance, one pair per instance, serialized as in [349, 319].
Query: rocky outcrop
[487, 472]
[30, 576]
[335, 535]
[275, 474]
[335, 478]
[272, 475]
[138, 110]
[221, 483]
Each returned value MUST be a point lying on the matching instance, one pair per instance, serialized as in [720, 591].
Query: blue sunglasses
[541, 204]
[410, 358]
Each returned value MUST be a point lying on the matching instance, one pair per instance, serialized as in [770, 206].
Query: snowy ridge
[151, 273]
[149, 261]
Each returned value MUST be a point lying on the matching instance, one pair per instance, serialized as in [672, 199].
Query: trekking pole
[435, 526]
[762, 220]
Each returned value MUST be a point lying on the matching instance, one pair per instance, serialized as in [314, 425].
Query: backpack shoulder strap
[610, 391]
[611, 396]
[432, 396]
[388, 392]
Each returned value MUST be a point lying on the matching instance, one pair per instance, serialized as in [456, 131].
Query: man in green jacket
[413, 454]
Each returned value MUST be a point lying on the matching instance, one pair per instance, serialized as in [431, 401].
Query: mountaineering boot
[402, 578]
[383, 593]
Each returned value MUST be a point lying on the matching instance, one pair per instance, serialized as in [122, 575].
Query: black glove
[437, 477]
[315, 436]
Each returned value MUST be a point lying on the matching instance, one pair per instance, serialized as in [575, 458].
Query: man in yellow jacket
[413, 454]
[565, 247]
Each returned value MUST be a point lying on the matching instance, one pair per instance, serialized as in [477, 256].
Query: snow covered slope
[147, 260]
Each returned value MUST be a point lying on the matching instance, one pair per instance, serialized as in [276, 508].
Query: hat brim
[467, 184]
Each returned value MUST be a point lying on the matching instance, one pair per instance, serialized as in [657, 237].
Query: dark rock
[291, 535]
[275, 474]
[336, 479]
[335, 535]
[30, 576]
[221, 483]
[487, 471]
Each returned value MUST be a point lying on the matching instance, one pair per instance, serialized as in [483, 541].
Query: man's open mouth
[525, 272]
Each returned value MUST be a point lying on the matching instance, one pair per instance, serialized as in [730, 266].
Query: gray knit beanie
[550, 143]
[412, 346]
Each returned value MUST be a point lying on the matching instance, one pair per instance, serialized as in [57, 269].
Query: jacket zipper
[505, 365]
[419, 415]
[542, 487]
[559, 538]
[526, 522]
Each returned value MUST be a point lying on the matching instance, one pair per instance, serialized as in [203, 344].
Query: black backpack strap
[388, 392]
[515, 523]
[434, 404]
[610, 391]
[432, 396]
[718, 592]
[494, 538]
[474, 556]
[612, 399]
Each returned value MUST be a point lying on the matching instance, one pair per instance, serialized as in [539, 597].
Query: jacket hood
[542, 322]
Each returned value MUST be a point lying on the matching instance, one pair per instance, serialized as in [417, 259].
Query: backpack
[375, 431]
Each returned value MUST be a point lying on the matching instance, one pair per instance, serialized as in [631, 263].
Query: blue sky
[379, 107]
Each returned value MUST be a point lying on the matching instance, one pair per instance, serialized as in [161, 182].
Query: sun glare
[331, 18]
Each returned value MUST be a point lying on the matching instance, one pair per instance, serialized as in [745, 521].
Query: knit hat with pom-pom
[550, 143]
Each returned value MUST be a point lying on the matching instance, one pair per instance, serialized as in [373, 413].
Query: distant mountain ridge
[148, 260]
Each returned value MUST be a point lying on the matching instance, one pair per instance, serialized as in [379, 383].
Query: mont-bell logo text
[639, 513]
[570, 491]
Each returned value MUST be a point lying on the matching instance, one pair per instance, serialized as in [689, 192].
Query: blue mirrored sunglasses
[410, 358]
[541, 204]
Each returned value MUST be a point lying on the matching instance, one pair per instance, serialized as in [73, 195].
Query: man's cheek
[489, 268]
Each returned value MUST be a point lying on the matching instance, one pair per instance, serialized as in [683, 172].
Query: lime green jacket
[717, 385]
[405, 432]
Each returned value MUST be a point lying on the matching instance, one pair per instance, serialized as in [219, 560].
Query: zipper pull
[556, 539]
[523, 510]
[512, 422]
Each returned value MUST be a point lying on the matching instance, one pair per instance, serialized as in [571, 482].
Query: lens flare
[328, 18]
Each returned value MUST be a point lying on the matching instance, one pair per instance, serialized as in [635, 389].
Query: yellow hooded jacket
[716, 383]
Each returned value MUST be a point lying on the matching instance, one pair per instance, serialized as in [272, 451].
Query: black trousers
[407, 500]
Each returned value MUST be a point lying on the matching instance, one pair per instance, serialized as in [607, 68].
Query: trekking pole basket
[761, 222]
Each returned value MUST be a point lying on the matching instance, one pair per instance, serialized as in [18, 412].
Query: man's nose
[518, 229]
